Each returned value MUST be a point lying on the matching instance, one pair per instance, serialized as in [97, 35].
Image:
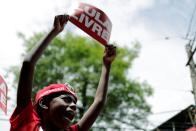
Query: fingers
[110, 47]
[110, 50]
[109, 55]
[64, 19]
[61, 19]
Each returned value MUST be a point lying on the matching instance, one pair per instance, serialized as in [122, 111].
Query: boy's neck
[50, 127]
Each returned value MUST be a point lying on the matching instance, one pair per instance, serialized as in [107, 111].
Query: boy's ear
[43, 104]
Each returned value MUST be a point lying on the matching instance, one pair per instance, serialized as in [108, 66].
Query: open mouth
[69, 115]
[66, 119]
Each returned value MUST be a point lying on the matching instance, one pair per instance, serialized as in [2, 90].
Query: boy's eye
[67, 99]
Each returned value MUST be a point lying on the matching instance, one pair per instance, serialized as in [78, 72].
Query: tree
[77, 60]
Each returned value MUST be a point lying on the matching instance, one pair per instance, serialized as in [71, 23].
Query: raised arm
[27, 71]
[101, 94]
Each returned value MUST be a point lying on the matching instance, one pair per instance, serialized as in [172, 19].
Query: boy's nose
[73, 106]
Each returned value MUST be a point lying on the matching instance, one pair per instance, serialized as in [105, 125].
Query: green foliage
[78, 60]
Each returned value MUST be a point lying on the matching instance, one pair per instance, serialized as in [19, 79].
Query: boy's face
[62, 110]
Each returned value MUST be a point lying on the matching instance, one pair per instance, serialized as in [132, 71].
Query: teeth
[67, 119]
[68, 115]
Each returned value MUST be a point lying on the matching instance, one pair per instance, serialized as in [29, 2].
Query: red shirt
[28, 120]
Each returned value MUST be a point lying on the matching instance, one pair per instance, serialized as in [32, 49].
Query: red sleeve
[74, 127]
[27, 115]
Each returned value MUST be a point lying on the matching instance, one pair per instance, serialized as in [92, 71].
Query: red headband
[54, 88]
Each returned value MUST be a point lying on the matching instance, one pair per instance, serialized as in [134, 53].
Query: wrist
[55, 31]
[107, 65]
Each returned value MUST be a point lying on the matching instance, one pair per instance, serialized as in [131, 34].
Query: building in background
[183, 121]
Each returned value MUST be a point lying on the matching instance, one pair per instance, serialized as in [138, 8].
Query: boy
[55, 105]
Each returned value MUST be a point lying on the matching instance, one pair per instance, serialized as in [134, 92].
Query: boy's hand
[110, 54]
[59, 22]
